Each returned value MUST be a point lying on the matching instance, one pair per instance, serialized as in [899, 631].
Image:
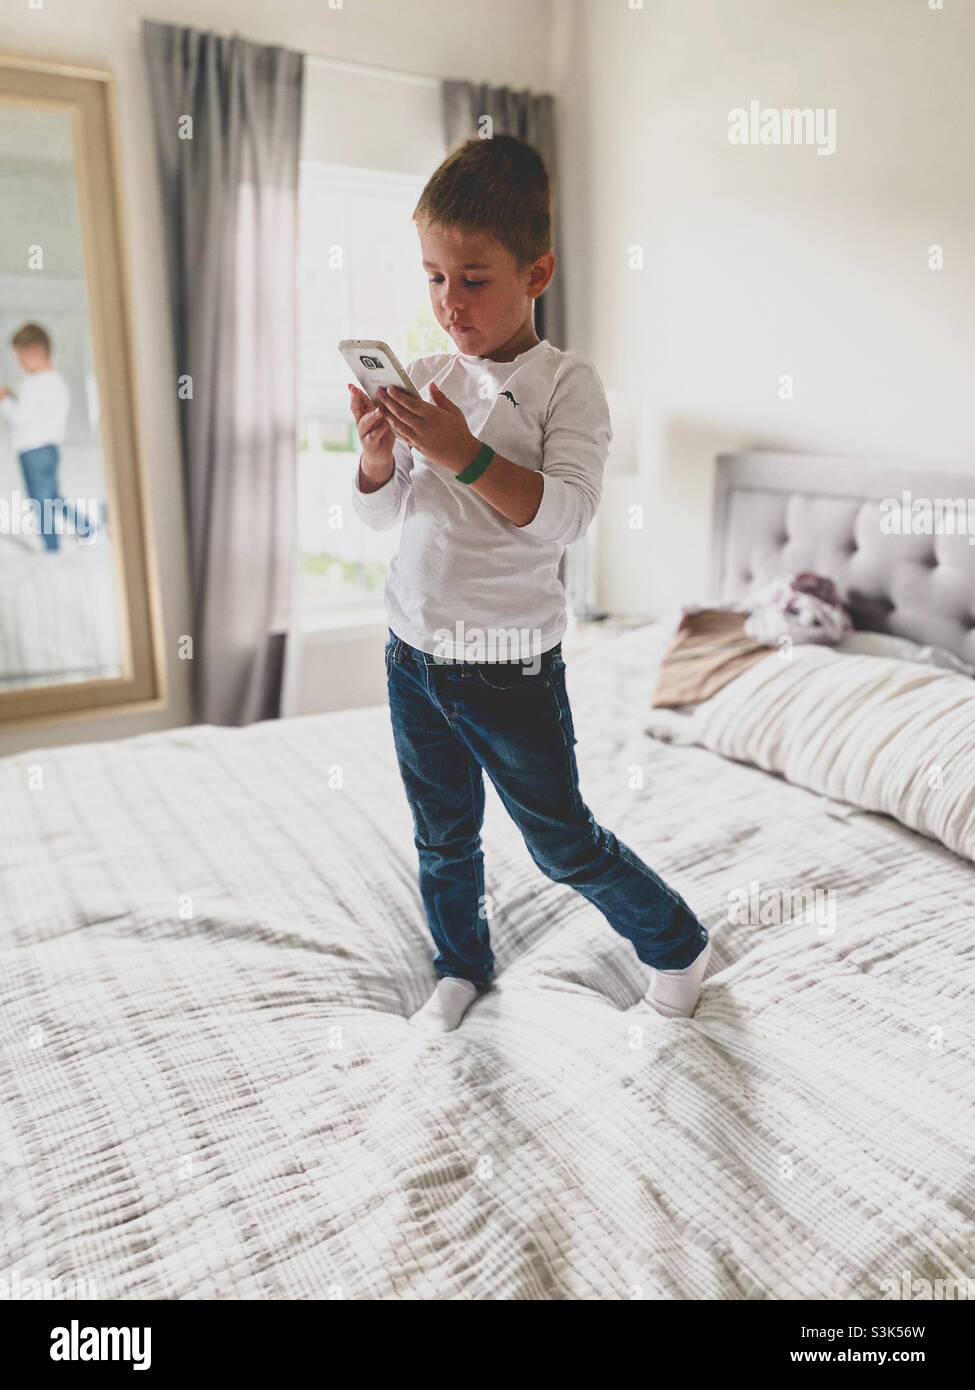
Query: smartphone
[373, 364]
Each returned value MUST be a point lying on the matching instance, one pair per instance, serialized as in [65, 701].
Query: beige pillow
[709, 649]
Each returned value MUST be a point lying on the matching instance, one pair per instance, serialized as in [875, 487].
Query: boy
[39, 417]
[499, 467]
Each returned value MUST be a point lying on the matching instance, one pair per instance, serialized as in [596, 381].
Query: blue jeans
[40, 470]
[454, 721]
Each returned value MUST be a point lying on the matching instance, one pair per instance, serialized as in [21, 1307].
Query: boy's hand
[437, 429]
[375, 433]
[5, 391]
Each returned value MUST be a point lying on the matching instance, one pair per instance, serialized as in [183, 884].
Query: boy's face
[477, 292]
[31, 359]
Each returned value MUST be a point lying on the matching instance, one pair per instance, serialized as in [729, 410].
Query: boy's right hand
[375, 435]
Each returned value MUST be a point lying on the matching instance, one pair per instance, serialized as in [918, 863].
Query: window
[359, 276]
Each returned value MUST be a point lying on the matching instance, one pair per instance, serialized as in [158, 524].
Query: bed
[58, 620]
[212, 940]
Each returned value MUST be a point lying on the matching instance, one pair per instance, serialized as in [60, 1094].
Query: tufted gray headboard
[775, 513]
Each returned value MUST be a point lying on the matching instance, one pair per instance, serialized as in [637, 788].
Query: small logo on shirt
[509, 395]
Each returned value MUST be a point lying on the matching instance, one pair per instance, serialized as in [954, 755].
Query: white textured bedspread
[211, 941]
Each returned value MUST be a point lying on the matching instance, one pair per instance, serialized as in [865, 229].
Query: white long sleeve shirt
[463, 570]
[39, 413]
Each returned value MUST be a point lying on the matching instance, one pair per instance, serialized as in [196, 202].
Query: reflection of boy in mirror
[38, 416]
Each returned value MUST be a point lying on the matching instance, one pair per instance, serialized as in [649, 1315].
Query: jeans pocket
[533, 673]
[512, 677]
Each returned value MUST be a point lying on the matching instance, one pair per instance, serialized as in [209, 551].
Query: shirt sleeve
[575, 444]
[10, 409]
[382, 509]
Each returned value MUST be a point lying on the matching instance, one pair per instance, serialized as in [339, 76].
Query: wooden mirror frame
[88, 96]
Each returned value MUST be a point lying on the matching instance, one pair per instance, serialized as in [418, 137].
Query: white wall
[443, 38]
[767, 260]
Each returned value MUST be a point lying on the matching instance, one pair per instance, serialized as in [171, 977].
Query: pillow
[708, 650]
[879, 733]
[714, 642]
[886, 644]
[713, 645]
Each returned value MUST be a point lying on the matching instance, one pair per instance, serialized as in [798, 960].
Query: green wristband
[474, 470]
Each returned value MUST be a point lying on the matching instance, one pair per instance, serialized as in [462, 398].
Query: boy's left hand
[437, 428]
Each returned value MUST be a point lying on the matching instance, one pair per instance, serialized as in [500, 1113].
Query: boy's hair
[499, 186]
[32, 335]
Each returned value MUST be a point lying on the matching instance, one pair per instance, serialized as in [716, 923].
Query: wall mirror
[80, 624]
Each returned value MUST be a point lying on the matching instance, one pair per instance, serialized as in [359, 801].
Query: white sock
[674, 993]
[446, 1006]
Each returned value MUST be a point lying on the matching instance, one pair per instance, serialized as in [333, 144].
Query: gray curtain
[227, 119]
[530, 118]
